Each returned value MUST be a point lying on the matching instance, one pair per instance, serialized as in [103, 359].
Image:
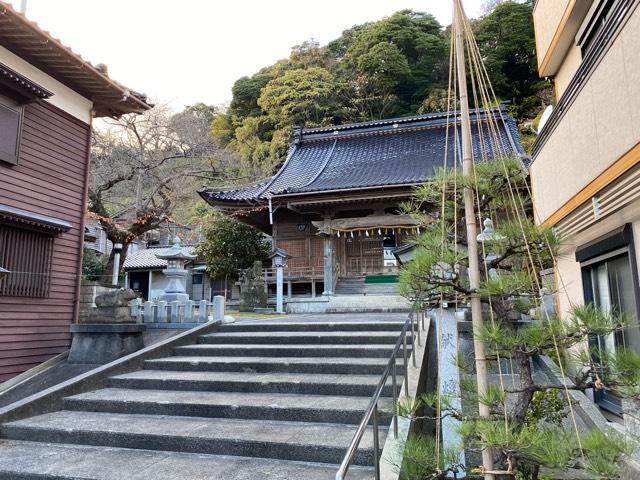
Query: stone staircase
[277, 400]
[356, 286]
[350, 286]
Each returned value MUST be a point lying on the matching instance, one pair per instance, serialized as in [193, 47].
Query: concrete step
[39, 461]
[286, 407]
[382, 289]
[313, 338]
[300, 383]
[262, 350]
[311, 326]
[355, 366]
[313, 442]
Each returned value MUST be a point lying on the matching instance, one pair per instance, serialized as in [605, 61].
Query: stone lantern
[279, 256]
[176, 273]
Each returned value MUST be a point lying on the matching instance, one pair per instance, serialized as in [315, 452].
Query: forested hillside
[393, 67]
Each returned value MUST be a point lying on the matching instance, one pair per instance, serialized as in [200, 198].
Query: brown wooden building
[48, 98]
[334, 204]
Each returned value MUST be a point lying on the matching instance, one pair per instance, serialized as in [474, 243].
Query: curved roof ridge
[326, 162]
[292, 150]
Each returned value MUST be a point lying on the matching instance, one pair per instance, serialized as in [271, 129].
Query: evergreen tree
[523, 430]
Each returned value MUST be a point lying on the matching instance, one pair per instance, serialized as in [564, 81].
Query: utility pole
[472, 231]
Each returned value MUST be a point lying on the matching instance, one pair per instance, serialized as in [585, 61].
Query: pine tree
[525, 430]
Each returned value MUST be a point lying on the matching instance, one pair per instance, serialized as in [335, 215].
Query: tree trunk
[523, 398]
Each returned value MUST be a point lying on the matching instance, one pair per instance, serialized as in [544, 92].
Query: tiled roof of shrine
[395, 152]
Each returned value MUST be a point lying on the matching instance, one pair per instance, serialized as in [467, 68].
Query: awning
[46, 222]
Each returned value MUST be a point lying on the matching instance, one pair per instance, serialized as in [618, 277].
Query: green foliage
[299, 97]
[93, 265]
[505, 37]
[547, 406]
[419, 460]
[602, 453]
[229, 246]
[525, 430]
[392, 67]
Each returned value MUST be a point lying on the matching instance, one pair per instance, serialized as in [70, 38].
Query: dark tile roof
[400, 151]
[146, 258]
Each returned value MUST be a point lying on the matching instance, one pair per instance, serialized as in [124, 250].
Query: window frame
[26, 289]
[14, 105]
[616, 243]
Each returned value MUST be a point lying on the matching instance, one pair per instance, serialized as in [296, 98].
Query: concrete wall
[547, 16]
[567, 70]
[556, 24]
[599, 127]
[569, 274]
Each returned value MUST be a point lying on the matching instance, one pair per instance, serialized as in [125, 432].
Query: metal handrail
[371, 413]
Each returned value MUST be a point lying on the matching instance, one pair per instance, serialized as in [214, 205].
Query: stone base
[102, 343]
[115, 314]
[174, 297]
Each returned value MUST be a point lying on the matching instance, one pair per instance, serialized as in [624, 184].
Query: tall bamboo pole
[472, 232]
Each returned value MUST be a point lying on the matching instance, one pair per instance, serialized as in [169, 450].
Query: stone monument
[107, 332]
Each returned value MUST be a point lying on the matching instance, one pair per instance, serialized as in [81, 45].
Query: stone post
[328, 266]
[279, 287]
[175, 311]
[162, 311]
[202, 312]
[149, 314]
[218, 308]
[447, 335]
[188, 311]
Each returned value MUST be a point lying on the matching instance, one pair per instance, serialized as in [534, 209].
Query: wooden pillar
[328, 266]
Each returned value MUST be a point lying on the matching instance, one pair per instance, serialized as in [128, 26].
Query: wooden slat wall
[49, 179]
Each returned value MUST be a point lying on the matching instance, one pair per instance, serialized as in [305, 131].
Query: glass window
[609, 284]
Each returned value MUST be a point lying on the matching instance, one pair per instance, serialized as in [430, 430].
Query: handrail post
[376, 442]
[418, 328]
[406, 365]
[413, 344]
[372, 413]
[394, 381]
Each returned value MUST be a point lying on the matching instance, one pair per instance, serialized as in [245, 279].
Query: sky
[181, 52]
